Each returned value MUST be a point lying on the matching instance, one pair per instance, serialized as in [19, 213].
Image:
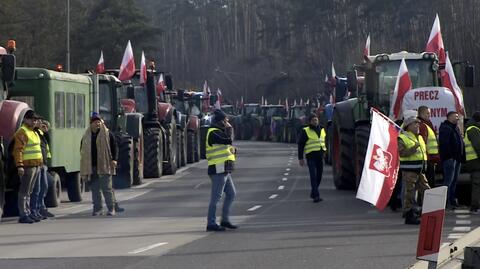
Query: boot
[411, 218]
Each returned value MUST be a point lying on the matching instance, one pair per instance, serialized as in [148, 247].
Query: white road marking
[284, 179]
[281, 187]
[140, 250]
[463, 222]
[254, 208]
[285, 174]
[461, 229]
[288, 169]
[463, 216]
[289, 164]
[444, 245]
[461, 211]
[455, 236]
[273, 196]
[199, 184]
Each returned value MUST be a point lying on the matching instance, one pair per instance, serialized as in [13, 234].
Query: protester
[413, 157]
[452, 152]
[40, 189]
[311, 141]
[98, 154]
[221, 158]
[27, 154]
[429, 136]
[472, 150]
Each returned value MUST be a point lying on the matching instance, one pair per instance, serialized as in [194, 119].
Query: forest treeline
[250, 48]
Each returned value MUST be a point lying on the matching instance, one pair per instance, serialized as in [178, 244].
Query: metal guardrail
[451, 256]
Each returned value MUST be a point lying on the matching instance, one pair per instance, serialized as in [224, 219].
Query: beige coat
[104, 154]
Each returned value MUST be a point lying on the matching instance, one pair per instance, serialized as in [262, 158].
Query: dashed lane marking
[463, 222]
[461, 211]
[281, 187]
[284, 179]
[461, 229]
[147, 248]
[285, 174]
[463, 216]
[253, 208]
[288, 169]
[455, 236]
[273, 196]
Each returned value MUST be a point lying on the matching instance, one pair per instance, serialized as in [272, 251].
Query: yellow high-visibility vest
[469, 150]
[32, 150]
[217, 154]
[432, 144]
[414, 161]
[315, 142]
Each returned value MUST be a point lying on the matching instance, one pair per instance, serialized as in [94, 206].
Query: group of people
[422, 152]
[31, 154]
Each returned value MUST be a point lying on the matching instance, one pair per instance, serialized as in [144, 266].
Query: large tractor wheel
[138, 150]
[247, 130]
[52, 199]
[183, 147]
[203, 138]
[191, 147]
[153, 153]
[124, 177]
[329, 143]
[170, 166]
[342, 161]
[362, 134]
[197, 146]
[75, 186]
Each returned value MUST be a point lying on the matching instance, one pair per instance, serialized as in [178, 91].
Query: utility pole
[68, 36]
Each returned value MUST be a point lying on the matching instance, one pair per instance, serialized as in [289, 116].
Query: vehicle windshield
[420, 72]
[275, 112]
[228, 110]
[141, 101]
[298, 112]
[251, 110]
[105, 103]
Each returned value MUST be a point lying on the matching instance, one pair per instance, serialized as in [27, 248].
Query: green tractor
[297, 117]
[273, 126]
[247, 124]
[351, 118]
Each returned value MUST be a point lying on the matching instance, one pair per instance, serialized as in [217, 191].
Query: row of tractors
[157, 130]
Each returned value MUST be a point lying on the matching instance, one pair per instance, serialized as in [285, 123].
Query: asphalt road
[164, 225]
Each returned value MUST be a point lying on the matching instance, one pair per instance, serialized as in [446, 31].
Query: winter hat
[410, 120]
[95, 116]
[219, 115]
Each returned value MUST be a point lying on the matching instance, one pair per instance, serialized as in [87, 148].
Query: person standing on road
[311, 141]
[27, 154]
[430, 138]
[472, 152]
[413, 156]
[40, 189]
[452, 153]
[221, 158]
[98, 155]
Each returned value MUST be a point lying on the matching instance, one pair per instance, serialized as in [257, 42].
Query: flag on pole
[143, 70]
[301, 101]
[218, 104]
[100, 68]
[449, 81]
[366, 50]
[402, 86]
[286, 104]
[161, 84]
[334, 74]
[380, 170]
[435, 41]
[206, 97]
[127, 68]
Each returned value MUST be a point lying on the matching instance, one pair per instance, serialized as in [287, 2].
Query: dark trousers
[315, 167]
[430, 174]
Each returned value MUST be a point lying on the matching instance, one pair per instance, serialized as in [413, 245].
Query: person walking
[40, 189]
[452, 152]
[430, 138]
[472, 152]
[413, 156]
[311, 142]
[221, 158]
[27, 154]
[98, 155]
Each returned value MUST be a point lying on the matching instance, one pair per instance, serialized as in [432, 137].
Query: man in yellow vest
[311, 142]
[413, 156]
[27, 154]
[221, 158]
[472, 151]
[430, 138]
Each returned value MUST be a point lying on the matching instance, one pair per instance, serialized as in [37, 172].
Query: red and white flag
[218, 103]
[380, 170]
[286, 104]
[366, 50]
[206, 97]
[143, 70]
[127, 68]
[100, 68]
[435, 41]
[449, 81]
[402, 86]
[160, 85]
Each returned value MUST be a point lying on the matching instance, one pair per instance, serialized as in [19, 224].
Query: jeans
[102, 184]
[451, 170]
[40, 189]
[221, 183]
[315, 167]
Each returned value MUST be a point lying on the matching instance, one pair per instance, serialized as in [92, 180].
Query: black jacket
[450, 142]
[220, 137]
[302, 140]
[44, 141]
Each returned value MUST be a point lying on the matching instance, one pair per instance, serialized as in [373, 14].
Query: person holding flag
[413, 156]
[312, 143]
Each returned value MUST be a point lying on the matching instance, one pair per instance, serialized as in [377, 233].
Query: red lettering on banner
[415, 96]
[426, 95]
[439, 112]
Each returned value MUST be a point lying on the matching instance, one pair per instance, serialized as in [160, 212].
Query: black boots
[412, 217]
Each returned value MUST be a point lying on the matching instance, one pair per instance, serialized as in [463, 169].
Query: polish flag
[127, 68]
[218, 103]
[380, 170]
[160, 85]
[449, 81]
[241, 102]
[402, 86]
[143, 70]
[100, 69]
[435, 41]
[366, 50]
[206, 96]
[286, 104]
